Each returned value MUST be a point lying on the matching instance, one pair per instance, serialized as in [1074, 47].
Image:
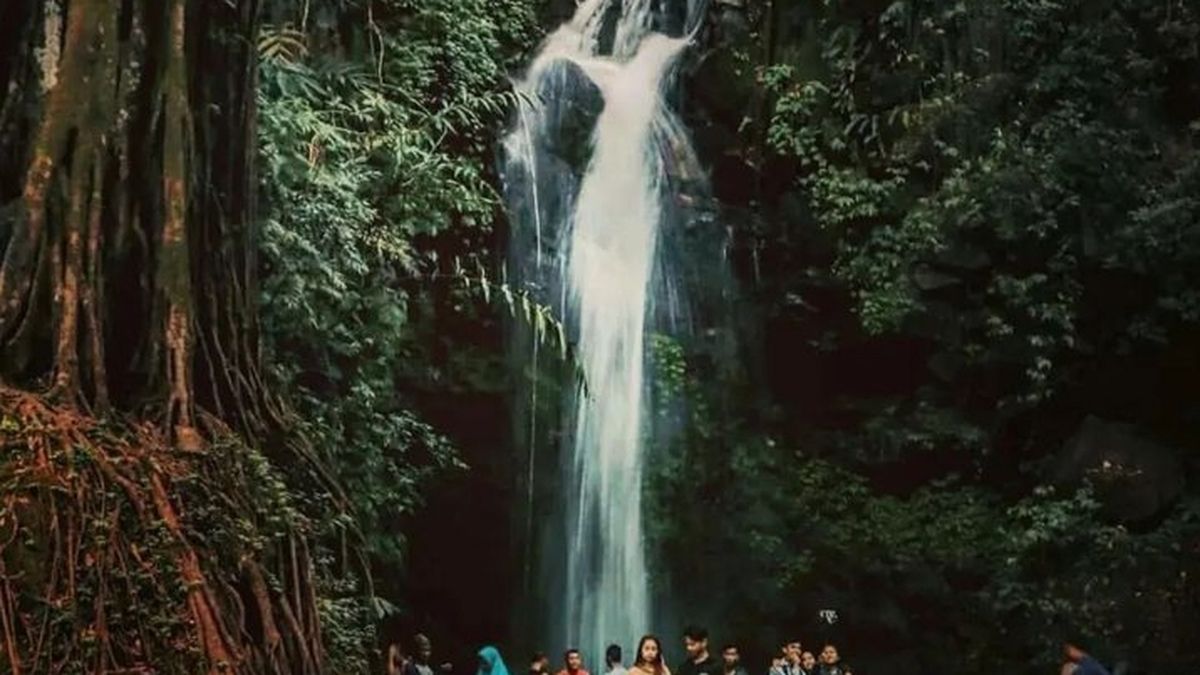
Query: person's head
[539, 663]
[731, 656]
[1072, 652]
[829, 655]
[695, 640]
[612, 655]
[422, 648]
[573, 660]
[649, 652]
[792, 651]
[808, 661]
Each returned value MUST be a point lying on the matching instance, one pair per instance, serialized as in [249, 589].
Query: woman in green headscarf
[490, 662]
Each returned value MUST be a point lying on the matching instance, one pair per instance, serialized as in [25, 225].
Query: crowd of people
[648, 660]
[793, 659]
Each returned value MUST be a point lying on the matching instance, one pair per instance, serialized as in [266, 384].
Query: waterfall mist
[599, 172]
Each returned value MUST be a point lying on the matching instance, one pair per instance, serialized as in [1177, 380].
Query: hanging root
[121, 555]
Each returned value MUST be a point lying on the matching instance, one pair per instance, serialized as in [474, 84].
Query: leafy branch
[548, 329]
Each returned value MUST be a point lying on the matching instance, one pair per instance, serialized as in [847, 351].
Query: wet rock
[1135, 477]
[608, 28]
[719, 79]
[671, 16]
[718, 99]
[557, 184]
[735, 180]
[728, 17]
[570, 104]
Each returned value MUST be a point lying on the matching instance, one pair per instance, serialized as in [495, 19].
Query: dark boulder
[1135, 477]
[570, 104]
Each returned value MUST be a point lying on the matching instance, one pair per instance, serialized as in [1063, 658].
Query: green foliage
[347, 622]
[949, 578]
[998, 162]
[1007, 190]
[335, 150]
[375, 163]
[372, 165]
[986, 230]
[546, 328]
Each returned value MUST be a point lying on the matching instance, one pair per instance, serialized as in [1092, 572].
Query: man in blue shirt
[1084, 663]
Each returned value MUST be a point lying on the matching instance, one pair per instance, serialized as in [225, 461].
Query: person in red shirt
[574, 663]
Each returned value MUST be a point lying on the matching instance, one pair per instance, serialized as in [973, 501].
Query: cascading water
[596, 223]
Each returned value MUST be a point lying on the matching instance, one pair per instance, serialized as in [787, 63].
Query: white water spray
[607, 246]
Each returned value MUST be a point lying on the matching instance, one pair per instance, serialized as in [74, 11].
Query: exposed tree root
[100, 564]
[128, 286]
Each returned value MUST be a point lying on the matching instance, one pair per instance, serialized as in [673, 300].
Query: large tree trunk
[128, 292]
[126, 169]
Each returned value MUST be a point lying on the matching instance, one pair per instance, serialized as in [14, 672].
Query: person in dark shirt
[831, 662]
[1084, 663]
[421, 662]
[539, 664]
[698, 661]
[732, 660]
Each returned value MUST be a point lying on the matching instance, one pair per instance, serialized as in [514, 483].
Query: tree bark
[174, 267]
[128, 282]
[60, 115]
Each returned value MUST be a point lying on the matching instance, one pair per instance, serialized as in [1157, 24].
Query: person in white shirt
[612, 657]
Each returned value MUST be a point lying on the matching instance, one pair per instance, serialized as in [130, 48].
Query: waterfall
[593, 162]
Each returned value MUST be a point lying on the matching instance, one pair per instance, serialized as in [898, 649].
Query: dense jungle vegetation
[253, 317]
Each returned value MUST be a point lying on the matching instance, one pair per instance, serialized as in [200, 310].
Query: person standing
[539, 664]
[831, 662]
[698, 661]
[420, 663]
[776, 666]
[779, 663]
[808, 664]
[649, 659]
[1084, 663]
[731, 658]
[792, 652]
[397, 662]
[573, 663]
[490, 662]
[612, 661]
